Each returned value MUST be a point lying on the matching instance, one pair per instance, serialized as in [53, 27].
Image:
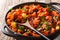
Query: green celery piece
[21, 27]
[46, 23]
[43, 18]
[50, 9]
[24, 9]
[48, 27]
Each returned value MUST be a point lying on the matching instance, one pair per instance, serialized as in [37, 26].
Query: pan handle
[55, 3]
[6, 32]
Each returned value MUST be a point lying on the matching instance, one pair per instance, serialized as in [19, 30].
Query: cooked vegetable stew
[38, 16]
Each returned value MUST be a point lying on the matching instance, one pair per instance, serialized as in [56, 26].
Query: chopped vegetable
[57, 27]
[53, 30]
[43, 18]
[28, 31]
[13, 24]
[19, 7]
[21, 27]
[24, 15]
[50, 10]
[56, 18]
[25, 34]
[45, 22]
[15, 20]
[48, 27]
[24, 9]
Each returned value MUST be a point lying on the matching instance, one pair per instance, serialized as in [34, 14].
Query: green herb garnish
[50, 9]
[21, 27]
[48, 27]
[46, 23]
[24, 9]
[43, 18]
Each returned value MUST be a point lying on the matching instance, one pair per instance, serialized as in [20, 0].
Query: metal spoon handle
[28, 25]
[40, 34]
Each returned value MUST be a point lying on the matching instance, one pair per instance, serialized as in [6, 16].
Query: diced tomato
[8, 16]
[46, 32]
[9, 21]
[19, 31]
[18, 11]
[45, 9]
[35, 34]
[39, 11]
[25, 34]
[13, 11]
[14, 29]
[26, 6]
[55, 13]
[34, 14]
[36, 21]
[51, 24]
[58, 22]
[53, 30]
[44, 26]
[43, 14]
[19, 17]
[30, 10]
[49, 18]
[38, 6]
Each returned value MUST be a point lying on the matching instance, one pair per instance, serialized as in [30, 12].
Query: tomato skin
[14, 29]
[44, 26]
[19, 31]
[53, 30]
[25, 34]
[8, 16]
[19, 17]
[38, 7]
[18, 12]
[50, 24]
[35, 34]
[26, 6]
[34, 14]
[58, 22]
[39, 11]
[43, 14]
[45, 9]
[8, 21]
[55, 13]
[36, 21]
[49, 18]
[46, 32]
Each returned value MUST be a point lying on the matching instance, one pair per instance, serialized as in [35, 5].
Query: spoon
[29, 26]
